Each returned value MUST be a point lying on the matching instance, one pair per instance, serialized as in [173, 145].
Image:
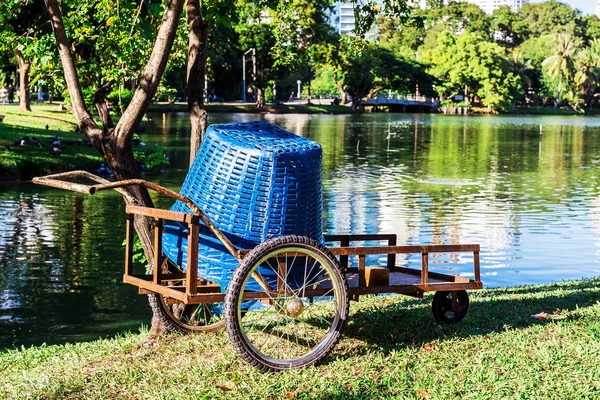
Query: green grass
[22, 162]
[391, 348]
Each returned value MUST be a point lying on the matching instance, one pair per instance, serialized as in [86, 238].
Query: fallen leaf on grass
[290, 395]
[541, 315]
[430, 346]
[224, 388]
[423, 394]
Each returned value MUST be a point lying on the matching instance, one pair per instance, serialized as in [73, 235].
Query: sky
[587, 6]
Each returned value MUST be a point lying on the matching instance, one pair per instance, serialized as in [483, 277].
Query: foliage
[468, 64]
[551, 17]
[149, 156]
[138, 255]
[120, 98]
[508, 28]
[323, 84]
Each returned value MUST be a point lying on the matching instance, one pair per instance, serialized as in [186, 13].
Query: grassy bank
[391, 348]
[22, 162]
[250, 108]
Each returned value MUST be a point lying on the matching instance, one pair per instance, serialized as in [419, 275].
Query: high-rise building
[490, 5]
[342, 17]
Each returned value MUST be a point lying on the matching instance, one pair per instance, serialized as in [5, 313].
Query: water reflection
[530, 199]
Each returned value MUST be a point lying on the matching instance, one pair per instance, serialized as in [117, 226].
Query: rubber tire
[440, 303]
[235, 287]
[171, 324]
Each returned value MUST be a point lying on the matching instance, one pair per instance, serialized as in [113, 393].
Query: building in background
[342, 18]
[597, 10]
[489, 6]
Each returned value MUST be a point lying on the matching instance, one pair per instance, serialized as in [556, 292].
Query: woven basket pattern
[255, 181]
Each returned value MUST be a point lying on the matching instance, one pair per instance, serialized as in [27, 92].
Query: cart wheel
[450, 307]
[295, 322]
[187, 318]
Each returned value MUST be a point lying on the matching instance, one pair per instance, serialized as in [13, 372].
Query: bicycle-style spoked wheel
[294, 302]
[186, 318]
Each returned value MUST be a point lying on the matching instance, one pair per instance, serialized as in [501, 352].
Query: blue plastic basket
[255, 181]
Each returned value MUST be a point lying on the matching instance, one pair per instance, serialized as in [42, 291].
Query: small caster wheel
[450, 307]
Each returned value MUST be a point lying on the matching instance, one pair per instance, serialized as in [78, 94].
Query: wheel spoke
[291, 330]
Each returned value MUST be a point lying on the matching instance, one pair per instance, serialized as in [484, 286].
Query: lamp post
[298, 94]
[253, 51]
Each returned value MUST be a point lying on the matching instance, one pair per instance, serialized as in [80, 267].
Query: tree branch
[102, 105]
[152, 73]
[83, 116]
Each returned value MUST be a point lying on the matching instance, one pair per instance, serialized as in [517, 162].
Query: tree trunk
[260, 98]
[558, 92]
[340, 87]
[115, 143]
[196, 70]
[24, 67]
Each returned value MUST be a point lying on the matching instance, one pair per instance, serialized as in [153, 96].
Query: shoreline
[20, 163]
[538, 341]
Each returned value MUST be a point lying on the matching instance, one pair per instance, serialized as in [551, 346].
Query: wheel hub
[295, 307]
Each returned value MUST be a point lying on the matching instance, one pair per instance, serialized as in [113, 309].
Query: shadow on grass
[410, 322]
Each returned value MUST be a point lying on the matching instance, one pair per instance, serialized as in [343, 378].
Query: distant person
[11, 93]
[292, 96]
[3, 92]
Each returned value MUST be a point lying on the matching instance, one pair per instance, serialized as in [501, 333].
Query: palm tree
[562, 63]
[587, 76]
[522, 68]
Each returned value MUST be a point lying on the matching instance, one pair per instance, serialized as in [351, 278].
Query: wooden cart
[296, 318]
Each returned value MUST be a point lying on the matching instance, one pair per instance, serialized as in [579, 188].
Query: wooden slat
[157, 270]
[410, 290]
[424, 268]
[153, 287]
[362, 263]
[344, 242]
[434, 275]
[281, 274]
[391, 261]
[163, 214]
[191, 282]
[354, 251]
[129, 229]
[476, 266]
[432, 287]
[359, 238]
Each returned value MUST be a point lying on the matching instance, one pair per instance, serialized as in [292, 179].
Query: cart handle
[57, 181]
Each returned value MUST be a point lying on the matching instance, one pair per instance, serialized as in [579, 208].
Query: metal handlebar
[57, 181]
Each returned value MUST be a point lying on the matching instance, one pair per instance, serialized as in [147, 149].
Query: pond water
[526, 188]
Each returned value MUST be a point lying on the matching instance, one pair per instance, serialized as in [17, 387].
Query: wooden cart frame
[188, 288]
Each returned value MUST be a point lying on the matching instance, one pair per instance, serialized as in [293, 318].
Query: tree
[552, 17]
[114, 141]
[23, 34]
[469, 64]
[258, 35]
[562, 64]
[522, 68]
[507, 27]
[376, 69]
[587, 75]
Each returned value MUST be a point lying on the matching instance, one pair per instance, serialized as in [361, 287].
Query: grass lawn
[25, 161]
[391, 348]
